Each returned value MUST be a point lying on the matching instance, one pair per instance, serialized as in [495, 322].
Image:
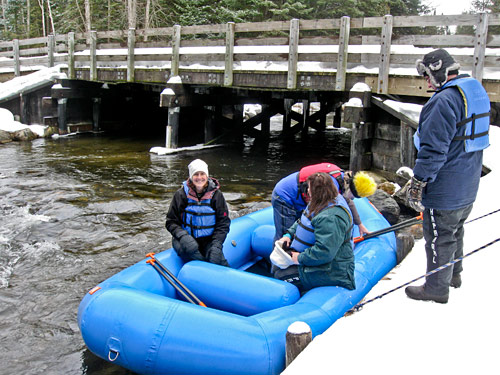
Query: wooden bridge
[218, 68]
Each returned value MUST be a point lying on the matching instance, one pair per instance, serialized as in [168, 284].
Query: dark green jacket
[330, 261]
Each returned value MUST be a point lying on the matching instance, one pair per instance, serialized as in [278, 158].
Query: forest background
[22, 19]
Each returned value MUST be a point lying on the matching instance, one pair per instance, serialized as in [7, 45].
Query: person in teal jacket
[320, 243]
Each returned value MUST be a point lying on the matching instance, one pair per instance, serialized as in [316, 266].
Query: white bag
[280, 257]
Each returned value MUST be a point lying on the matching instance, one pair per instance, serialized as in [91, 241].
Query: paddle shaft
[175, 279]
[394, 227]
[152, 262]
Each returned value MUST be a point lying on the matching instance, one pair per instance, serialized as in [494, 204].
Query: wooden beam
[131, 55]
[385, 56]
[176, 44]
[407, 149]
[480, 46]
[401, 116]
[93, 56]
[17, 62]
[229, 56]
[293, 54]
[343, 53]
[71, 55]
[51, 46]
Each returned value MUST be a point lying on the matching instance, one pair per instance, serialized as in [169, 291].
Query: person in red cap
[452, 133]
[289, 196]
[198, 217]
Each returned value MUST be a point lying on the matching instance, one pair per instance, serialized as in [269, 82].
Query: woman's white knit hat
[197, 165]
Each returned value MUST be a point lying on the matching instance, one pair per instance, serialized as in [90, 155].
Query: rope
[359, 305]
[480, 217]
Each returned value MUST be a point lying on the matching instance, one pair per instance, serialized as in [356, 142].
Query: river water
[76, 210]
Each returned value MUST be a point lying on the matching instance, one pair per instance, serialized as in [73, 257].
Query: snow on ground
[8, 124]
[397, 335]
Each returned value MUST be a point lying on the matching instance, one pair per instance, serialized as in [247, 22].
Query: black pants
[444, 234]
[290, 275]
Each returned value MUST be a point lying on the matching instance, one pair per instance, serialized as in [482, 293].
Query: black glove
[414, 194]
[215, 254]
[188, 248]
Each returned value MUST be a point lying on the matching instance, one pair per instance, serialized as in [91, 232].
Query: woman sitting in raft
[321, 241]
[289, 198]
[198, 217]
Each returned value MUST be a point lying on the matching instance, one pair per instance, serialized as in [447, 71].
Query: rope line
[359, 305]
[480, 217]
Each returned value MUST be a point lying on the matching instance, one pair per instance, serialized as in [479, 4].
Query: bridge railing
[328, 54]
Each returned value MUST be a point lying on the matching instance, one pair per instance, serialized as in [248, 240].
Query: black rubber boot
[456, 281]
[419, 293]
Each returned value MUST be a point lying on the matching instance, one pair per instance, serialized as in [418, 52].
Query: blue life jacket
[304, 234]
[477, 114]
[199, 218]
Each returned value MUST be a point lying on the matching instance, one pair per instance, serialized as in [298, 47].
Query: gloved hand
[414, 194]
[215, 254]
[188, 248]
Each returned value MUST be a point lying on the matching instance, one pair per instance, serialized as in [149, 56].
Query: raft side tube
[163, 337]
[237, 246]
[244, 293]
[262, 240]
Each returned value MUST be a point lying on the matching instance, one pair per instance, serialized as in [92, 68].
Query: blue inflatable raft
[136, 320]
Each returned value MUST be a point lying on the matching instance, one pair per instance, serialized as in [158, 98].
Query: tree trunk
[28, 19]
[42, 8]
[4, 6]
[88, 16]
[51, 18]
[81, 15]
[132, 14]
[146, 20]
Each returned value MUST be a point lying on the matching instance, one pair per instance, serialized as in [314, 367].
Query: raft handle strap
[117, 353]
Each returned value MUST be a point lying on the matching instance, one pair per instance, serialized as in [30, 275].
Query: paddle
[403, 224]
[174, 281]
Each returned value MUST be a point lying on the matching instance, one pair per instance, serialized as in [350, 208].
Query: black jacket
[218, 203]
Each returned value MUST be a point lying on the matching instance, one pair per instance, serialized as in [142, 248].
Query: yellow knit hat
[362, 185]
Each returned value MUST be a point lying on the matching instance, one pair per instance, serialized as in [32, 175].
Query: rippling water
[76, 210]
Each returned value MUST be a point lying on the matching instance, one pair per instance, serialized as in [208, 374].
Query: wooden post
[209, 123]
[385, 56]
[131, 56]
[238, 121]
[173, 124]
[96, 113]
[71, 55]
[337, 119]
[305, 116]
[322, 118]
[407, 149]
[298, 336]
[23, 108]
[265, 125]
[93, 55]
[51, 45]
[229, 57]
[176, 45]
[61, 115]
[17, 58]
[293, 54]
[480, 46]
[345, 27]
[287, 118]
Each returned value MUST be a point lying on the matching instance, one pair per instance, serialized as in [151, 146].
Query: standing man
[452, 132]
